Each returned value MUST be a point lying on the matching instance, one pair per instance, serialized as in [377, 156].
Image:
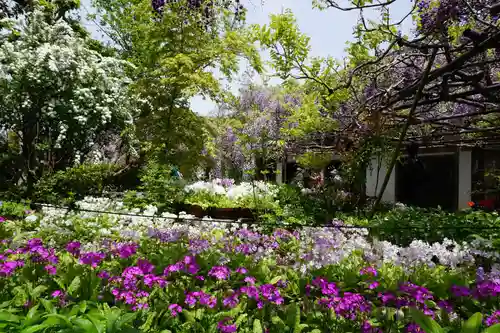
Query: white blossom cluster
[50, 75]
[232, 191]
[318, 247]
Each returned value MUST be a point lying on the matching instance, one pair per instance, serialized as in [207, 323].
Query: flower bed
[156, 274]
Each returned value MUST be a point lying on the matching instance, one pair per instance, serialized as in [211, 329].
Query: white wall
[372, 188]
[279, 173]
[464, 178]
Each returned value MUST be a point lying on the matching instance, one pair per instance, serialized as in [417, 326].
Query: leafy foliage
[76, 183]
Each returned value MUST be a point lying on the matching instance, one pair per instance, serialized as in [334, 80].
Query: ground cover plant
[90, 272]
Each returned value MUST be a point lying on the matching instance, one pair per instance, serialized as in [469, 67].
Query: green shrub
[402, 226]
[158, 187]
[76, 183]
[13, 209]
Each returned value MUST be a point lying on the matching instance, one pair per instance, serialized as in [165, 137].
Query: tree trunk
[29, 150]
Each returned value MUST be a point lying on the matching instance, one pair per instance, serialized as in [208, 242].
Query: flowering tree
[57, 96]
[176, 48]
[433, 86]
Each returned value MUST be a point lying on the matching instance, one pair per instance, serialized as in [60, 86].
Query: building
[451, 178]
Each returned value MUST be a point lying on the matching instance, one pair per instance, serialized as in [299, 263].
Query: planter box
[195, 210]
[230, 213]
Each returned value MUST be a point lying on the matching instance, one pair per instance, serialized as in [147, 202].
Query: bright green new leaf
[473, 325]
[425, 322]
[257, 327]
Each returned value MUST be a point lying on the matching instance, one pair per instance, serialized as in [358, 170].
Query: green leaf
[425, 322]
[493, 329]
[35, 293]
[241, 319]
[5, 304]
[112, 316]
[473, 325]
[75, 284]
[32, 312]
[62, 319]
[257, 327]
[315, 331]
[189, 316]
[275, 279]
[35, 328]
[83, 306]
[149, 321]
[49, 307]
[277, 321]
[125, 319]
[9, 317]
[86, 325]
[98, 324]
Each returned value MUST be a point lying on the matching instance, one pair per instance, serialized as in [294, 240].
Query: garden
[123, 208]
[106, 266]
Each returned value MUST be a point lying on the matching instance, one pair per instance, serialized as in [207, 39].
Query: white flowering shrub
[58, 94]
[225, 193]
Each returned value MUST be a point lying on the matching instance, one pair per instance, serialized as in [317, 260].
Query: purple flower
[480, 274]
[445, 305]
[175, 309]
[241, 270]
[219, 272]
[140, 306]
[419, 293]
[2, 219]
[460, 291]
[145, 266]
[103, 275]
[150, 280]
[368, 271]
[368, 328]
[493, 319]
[92, 258]
[8, 268]
[250, 291]
[191, 299]
[51, 269]
[386, 298]
[172, 268]
[231, 301]
[197, 246]
[487, 288]
[414, 328]
[126, 250]
[226, 328]
[250, 279]
[373, 285]
[207, 300]
[57, 293]
[74, 248]
[34, 244]
[271, 293]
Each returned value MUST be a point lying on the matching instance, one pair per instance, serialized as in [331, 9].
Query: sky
[328, 30]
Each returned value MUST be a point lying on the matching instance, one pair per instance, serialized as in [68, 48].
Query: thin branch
[404, 130]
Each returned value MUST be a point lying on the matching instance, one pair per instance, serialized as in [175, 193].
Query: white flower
[31, 218]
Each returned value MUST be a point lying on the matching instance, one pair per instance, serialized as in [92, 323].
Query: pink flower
[219, 272]
[175, 309]
[51, 269]
[241, 270]
[368, 271]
